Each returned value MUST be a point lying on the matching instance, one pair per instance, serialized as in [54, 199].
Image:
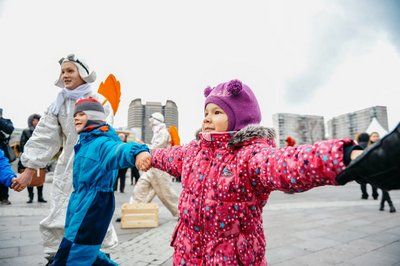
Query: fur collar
[249, 132]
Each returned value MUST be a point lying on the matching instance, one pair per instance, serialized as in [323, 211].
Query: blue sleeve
[117, 154]
[6, 173]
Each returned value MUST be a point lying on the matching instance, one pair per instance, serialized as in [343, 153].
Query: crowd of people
[227, 172]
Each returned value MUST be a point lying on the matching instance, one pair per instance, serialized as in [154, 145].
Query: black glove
[379, 165]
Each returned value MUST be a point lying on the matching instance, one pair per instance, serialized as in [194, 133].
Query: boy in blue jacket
[99, 154]
[6, 173]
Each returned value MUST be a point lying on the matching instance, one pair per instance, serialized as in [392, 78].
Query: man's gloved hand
[379, 165]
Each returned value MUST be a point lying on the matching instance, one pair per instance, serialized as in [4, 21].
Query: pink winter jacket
[226, 181]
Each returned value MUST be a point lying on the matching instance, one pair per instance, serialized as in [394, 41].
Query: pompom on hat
[83, 70]
[238, 102]
[91, 107]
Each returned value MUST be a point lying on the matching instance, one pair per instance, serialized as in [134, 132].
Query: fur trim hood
[249, 132]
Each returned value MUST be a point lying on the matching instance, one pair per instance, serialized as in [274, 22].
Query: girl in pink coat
[228, 174]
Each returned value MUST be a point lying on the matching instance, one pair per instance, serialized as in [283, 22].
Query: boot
[364, 196]
[42, 200]
[375, 193]
[40, 195]
[30, 192]
[392, 209]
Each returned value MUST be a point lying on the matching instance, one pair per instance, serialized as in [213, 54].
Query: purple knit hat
[238, 102]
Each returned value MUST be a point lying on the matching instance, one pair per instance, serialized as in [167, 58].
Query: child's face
[80, 120]
[374, 137]
[215, 119]
[70, 76]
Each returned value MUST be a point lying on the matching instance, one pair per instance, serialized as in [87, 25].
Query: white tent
[375, 126]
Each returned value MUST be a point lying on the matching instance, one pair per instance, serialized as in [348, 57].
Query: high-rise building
[139, 114]
[349, 124]
[305, 129]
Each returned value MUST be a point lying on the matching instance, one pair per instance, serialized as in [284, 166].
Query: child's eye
[218, 112]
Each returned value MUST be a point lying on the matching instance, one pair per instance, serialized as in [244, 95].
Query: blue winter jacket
[98, 156]
[6, 173]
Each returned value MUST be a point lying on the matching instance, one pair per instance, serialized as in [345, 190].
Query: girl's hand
[143, 161]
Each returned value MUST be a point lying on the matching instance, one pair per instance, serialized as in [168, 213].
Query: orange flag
[111, 90]
[175, 139]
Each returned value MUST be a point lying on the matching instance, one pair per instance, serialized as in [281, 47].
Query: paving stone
[375, 258]
[284, 253]
[317, 243]
[30, 250]
[346, 236]
[25, 260]
[8, 252]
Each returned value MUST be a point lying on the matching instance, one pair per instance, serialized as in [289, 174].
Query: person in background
[363, 140]
[375, 137]
[122, 171]
[156, 182]
[7, 175]
[134, 175]
[378, 165]
[6, 128]
[33, 120]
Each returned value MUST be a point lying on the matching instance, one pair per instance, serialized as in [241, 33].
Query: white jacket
[52, 133]
[161, 137]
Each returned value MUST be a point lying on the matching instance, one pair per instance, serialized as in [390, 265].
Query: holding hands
[21, 182]
[143, 161]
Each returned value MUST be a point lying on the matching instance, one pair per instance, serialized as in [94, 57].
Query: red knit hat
[91, 107]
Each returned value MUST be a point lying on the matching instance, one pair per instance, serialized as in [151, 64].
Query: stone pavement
[324, 226]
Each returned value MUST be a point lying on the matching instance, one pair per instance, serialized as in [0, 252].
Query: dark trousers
[386, 197]
[3, 192]
[121, 177]
[365, 192]
[39, 190]
[134, 174]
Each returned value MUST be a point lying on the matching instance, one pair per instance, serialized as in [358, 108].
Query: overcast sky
[308, 57]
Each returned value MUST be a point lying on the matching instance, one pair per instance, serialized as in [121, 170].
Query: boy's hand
[21, 182]
[143, 161]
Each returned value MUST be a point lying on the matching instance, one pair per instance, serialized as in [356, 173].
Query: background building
[348, 125]
[139, 114]
[305, 129]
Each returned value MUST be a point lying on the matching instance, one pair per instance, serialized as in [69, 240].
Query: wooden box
[139, 215]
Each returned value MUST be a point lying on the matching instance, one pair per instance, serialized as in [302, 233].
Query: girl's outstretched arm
[171, 159]
[297, 169]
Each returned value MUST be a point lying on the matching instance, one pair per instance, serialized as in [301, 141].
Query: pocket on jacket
[249, 249]
[173, 237]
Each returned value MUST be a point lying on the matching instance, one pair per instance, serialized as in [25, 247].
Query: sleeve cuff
[347, 153]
